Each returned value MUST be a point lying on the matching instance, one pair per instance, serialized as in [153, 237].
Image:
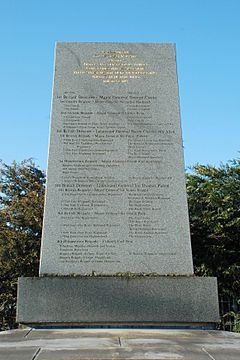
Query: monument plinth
[116, 241]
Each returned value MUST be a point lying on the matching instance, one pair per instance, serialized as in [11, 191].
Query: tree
[22, 189]
[214, 206]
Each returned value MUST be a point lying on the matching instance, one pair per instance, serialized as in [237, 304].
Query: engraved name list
[115, 193]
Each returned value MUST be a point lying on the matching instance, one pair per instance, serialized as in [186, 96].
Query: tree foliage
[214, 206]
[21, 210]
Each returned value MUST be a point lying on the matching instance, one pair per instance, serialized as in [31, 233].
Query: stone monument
[116, 244]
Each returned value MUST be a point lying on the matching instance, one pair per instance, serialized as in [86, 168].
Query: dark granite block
[110, 300]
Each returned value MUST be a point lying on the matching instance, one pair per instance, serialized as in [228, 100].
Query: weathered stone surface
[116, 197]
[176, 301]
[75, 344]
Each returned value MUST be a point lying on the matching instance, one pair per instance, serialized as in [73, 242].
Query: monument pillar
[116, 244]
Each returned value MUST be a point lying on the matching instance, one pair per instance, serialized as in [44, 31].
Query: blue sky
[207, 36]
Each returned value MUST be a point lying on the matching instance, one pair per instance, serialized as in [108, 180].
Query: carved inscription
[115, 67]
[116, 199]
[93, 137]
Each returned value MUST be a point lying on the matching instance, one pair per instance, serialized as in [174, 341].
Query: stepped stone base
[179, 301]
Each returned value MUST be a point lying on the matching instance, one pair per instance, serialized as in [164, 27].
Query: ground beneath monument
[91, 344]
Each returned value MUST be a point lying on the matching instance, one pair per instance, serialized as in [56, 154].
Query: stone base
[161, 301]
